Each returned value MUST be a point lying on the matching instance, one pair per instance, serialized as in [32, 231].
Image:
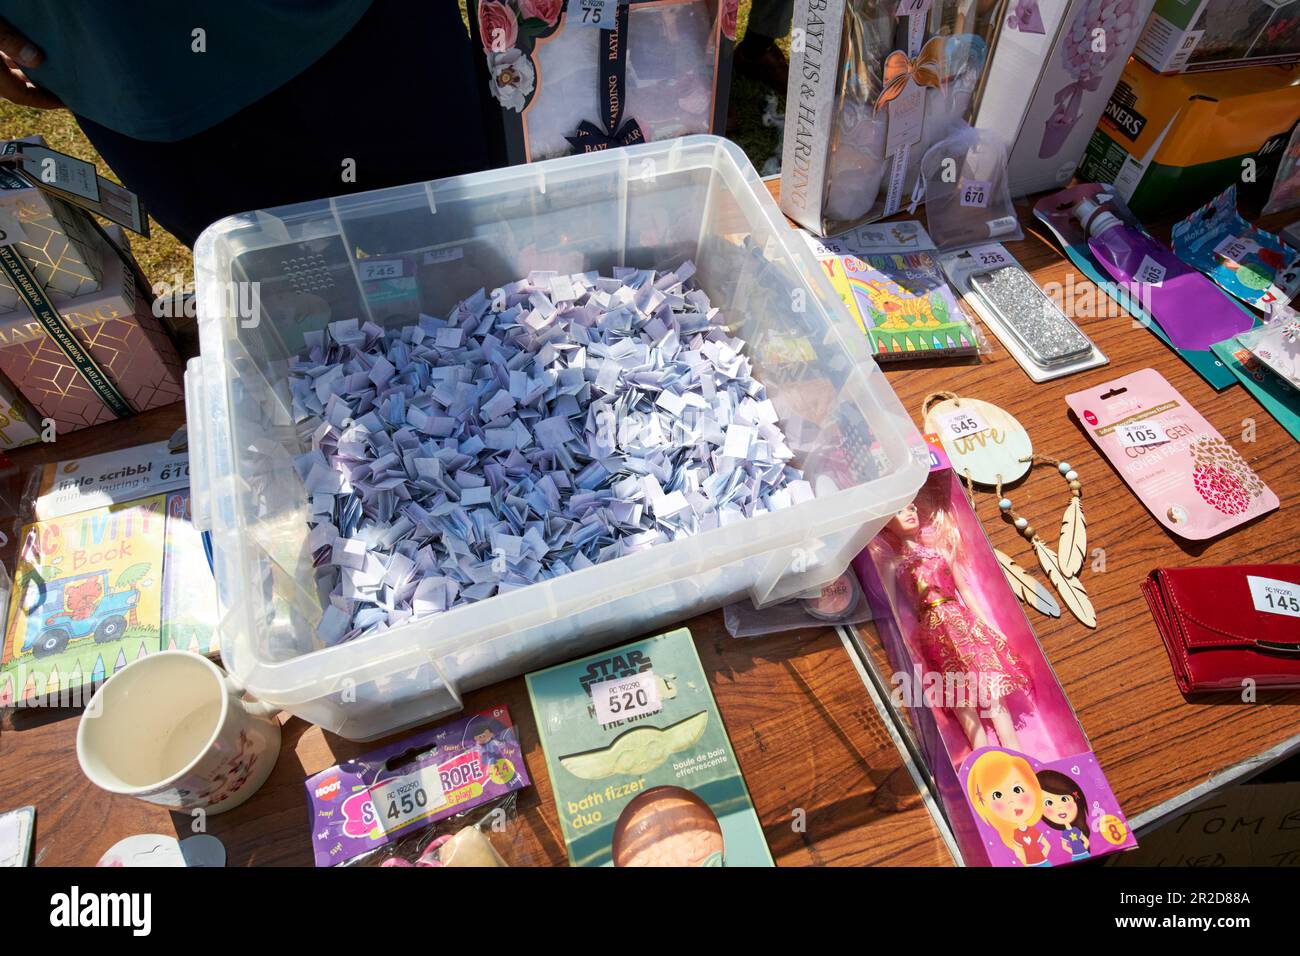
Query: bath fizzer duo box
[640, 764]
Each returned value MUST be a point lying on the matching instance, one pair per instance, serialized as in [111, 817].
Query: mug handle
[255, 707]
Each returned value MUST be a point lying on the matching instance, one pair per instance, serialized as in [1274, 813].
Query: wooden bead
[1028, 532]
[1075, 486]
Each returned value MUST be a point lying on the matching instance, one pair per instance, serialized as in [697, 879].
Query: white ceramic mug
[174, 730]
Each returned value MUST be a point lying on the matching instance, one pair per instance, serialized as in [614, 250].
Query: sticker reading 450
[405, 799]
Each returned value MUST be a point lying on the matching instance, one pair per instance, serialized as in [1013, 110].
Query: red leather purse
[1222, 625]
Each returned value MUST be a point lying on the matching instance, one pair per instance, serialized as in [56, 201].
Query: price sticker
[1150, 272]
[1141, 434]
[626, 697]
[408, 798]
[912, 8]
[596, 13]
[1236, 248]
[992, 257]
[1273, 596]
[963, 424]
[373, 269]
[974, 193]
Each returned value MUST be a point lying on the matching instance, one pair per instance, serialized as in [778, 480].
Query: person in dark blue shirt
[212, 107]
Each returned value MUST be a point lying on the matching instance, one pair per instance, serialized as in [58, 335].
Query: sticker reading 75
[626, 697]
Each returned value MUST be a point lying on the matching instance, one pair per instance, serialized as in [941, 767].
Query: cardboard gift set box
[1169, 142]
[1052, 69]
[1196, 35]
[92, 358]
[580, 75]
[871, 89]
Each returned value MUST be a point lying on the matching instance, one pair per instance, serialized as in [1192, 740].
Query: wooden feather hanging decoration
[1072, 546]
[1026, 587]
[1069, 588]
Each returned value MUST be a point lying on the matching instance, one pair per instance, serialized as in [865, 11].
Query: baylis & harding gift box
[583, 75]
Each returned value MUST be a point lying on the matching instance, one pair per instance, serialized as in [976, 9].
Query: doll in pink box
[953, 636]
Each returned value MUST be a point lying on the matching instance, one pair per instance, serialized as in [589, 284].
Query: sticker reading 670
[626, 697]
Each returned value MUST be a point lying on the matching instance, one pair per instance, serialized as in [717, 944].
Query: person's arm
[16, 53]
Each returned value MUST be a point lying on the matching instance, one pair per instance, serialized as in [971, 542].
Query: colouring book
[86, 601]
[899, 299]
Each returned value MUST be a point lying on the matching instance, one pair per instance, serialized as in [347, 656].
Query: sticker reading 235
[408, 798]
[626, 697]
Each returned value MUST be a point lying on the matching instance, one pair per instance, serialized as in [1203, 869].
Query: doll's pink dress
[951, 636]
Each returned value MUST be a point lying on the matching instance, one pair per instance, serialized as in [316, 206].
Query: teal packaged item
[1250, 263]
[1054, 211]
[640, 764]
[1279, 398]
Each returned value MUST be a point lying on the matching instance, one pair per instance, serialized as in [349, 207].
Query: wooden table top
[804, 729]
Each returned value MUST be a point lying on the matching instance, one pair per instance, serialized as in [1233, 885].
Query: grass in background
[162, 256]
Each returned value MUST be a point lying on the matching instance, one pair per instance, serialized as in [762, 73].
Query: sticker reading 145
[408, 798]
[626, 697]
[1273, 596]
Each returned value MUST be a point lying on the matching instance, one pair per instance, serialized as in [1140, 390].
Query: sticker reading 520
[626, 697]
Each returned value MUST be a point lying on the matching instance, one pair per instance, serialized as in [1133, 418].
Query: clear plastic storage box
[267, 277]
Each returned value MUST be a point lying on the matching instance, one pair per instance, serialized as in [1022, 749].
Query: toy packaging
[1191, 480]
[1188, 316]
[899, 298]
[1054, 63]
[991, 261]
[1014, 771]
[364, 805]
[1277, 345]
[1279, 396]
[871, 89]
[641, 766]
[1169, 143]
[581, 76]
[1196, 35]
[1251, 263]
[840, 602]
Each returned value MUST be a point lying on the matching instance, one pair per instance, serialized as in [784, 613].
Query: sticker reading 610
[626, 697]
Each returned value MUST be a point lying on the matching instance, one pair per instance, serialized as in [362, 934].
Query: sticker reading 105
[1141, 434]
[626, 697]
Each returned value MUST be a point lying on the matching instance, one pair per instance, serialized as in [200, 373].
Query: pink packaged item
[1186, 474]
[1017, 777]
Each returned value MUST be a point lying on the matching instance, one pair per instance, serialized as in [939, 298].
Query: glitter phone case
[1045, 332]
